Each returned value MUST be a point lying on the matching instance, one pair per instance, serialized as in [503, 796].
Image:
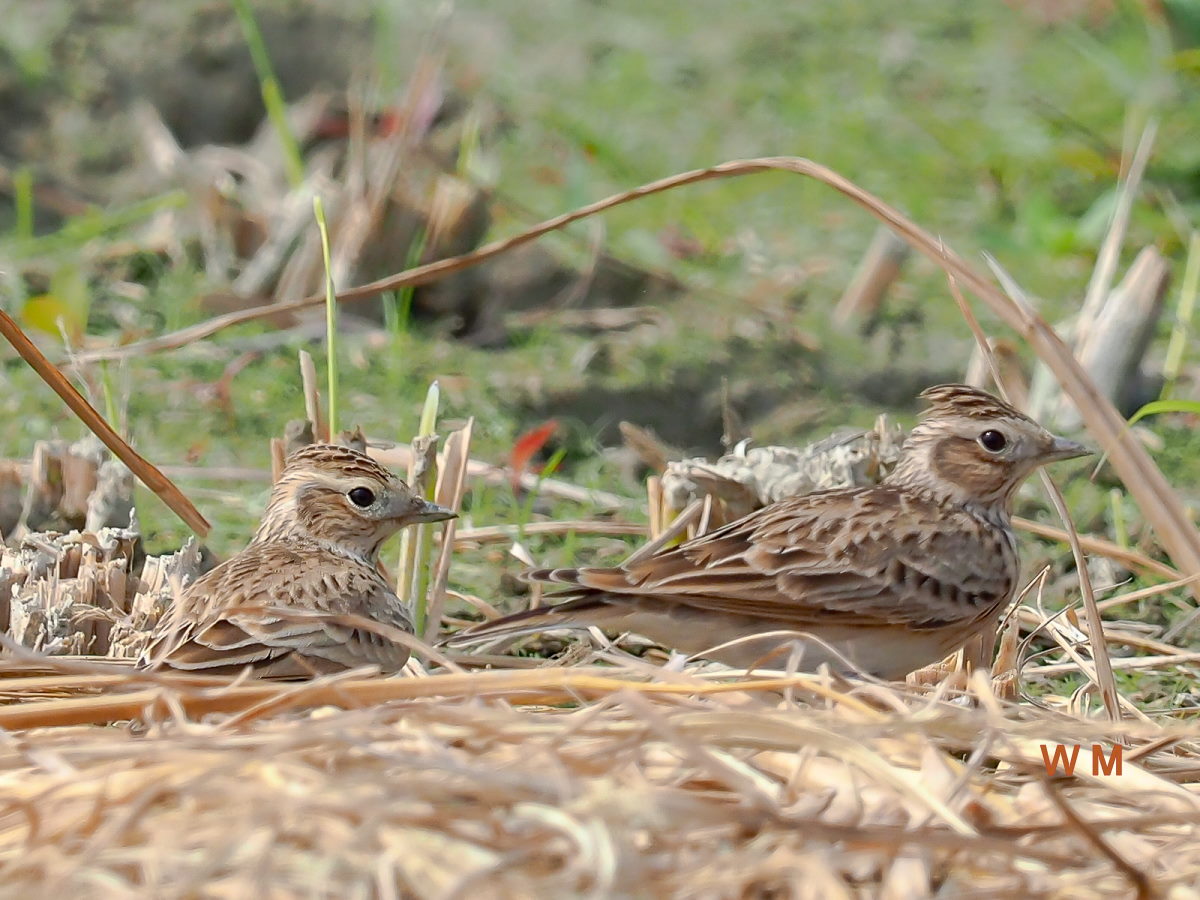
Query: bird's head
[971, 447]
[339, 496]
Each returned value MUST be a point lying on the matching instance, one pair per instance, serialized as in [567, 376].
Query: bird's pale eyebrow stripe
[329, 480]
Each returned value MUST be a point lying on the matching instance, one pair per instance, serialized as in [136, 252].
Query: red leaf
[528, 444]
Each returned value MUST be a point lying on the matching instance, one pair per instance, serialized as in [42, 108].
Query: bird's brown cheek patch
[318, 507]
[964, 463]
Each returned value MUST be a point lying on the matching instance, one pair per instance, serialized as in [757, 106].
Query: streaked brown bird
[285, 605]
[882, 580]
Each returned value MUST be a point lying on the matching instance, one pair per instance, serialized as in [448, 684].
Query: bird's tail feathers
[551, 576]
[521, 624]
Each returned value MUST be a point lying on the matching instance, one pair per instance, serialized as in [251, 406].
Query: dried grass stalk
[451, 487]
[878, 270]
[1113, 346]
[312, 397]
[147, 473]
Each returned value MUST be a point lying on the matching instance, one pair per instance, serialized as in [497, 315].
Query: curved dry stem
[142, 468]
[1155, 497]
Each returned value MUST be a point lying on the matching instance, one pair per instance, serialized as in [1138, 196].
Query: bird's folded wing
[230, 621]
[798, 565]
[226, 643]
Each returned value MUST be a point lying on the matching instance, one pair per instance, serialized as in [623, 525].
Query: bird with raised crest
[293, 602]
[881, 580]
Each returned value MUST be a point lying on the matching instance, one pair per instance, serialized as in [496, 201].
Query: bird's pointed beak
[1061, 448]
[431, 512]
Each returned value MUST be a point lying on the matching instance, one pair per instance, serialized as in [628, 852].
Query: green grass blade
[110, 395]
[1182, 330]
[1116, 498]
[1154, 408]
[330, 317]
[94, 224]
[421, 547]
[271, 94]
[1158, 407]
[22, 186]
[415, 547]
[404, 296]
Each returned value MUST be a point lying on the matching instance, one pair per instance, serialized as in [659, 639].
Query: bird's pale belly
[741, 641]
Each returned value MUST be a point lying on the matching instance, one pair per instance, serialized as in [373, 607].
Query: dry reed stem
[278, 458]
[1105, 680]
[542, 686]
[1152, 591]
[142, 468]
[878, 269]
[312, 398]
[491, 534]
[654, 504]
[1110, 251]
[670, 531]
[1100, 546]
[451, 488]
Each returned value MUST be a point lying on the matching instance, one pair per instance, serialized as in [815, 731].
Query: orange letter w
[1060, 760]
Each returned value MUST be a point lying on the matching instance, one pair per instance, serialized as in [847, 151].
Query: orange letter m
[1110, 766]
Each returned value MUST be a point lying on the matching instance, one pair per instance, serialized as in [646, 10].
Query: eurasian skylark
[882, 580]
[281, 605]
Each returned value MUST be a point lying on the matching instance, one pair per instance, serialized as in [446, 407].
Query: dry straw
[645, 784]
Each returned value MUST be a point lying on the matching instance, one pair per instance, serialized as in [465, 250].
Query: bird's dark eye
[993, 441]
[361, 496]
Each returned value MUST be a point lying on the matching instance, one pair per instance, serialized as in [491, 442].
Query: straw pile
[589, 781]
